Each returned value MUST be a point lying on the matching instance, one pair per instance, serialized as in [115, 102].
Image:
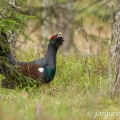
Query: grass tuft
[79, 88]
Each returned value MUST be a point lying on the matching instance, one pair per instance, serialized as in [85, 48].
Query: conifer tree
[11, 21]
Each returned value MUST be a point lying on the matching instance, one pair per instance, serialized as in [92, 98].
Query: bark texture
[117, 50]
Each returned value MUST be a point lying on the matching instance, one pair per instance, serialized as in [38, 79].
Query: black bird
[43, 70]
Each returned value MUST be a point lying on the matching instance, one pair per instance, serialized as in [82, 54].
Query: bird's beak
[59, 35]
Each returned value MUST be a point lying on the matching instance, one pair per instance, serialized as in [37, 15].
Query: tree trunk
[117, 50]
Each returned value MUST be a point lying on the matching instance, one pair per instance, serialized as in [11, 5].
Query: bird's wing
[39, 61]
[32, 70]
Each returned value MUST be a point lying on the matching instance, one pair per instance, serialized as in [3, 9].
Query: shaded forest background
[86, 25]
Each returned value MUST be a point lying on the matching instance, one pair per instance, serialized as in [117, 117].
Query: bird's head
[57, 40]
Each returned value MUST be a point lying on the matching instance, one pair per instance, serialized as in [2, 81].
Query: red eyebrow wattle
[53, 37]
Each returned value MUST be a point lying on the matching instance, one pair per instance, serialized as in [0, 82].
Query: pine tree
[11, 21]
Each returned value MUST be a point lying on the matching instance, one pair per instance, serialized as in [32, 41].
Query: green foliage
[4, 48]
[11, 19]
[88, 70]
[80, 86]
[60, 1]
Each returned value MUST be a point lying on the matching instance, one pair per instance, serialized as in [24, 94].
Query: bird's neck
[50, 57]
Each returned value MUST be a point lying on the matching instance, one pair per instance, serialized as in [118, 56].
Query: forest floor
[79, 91]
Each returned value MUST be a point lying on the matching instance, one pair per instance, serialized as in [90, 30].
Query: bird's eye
[53, 37]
